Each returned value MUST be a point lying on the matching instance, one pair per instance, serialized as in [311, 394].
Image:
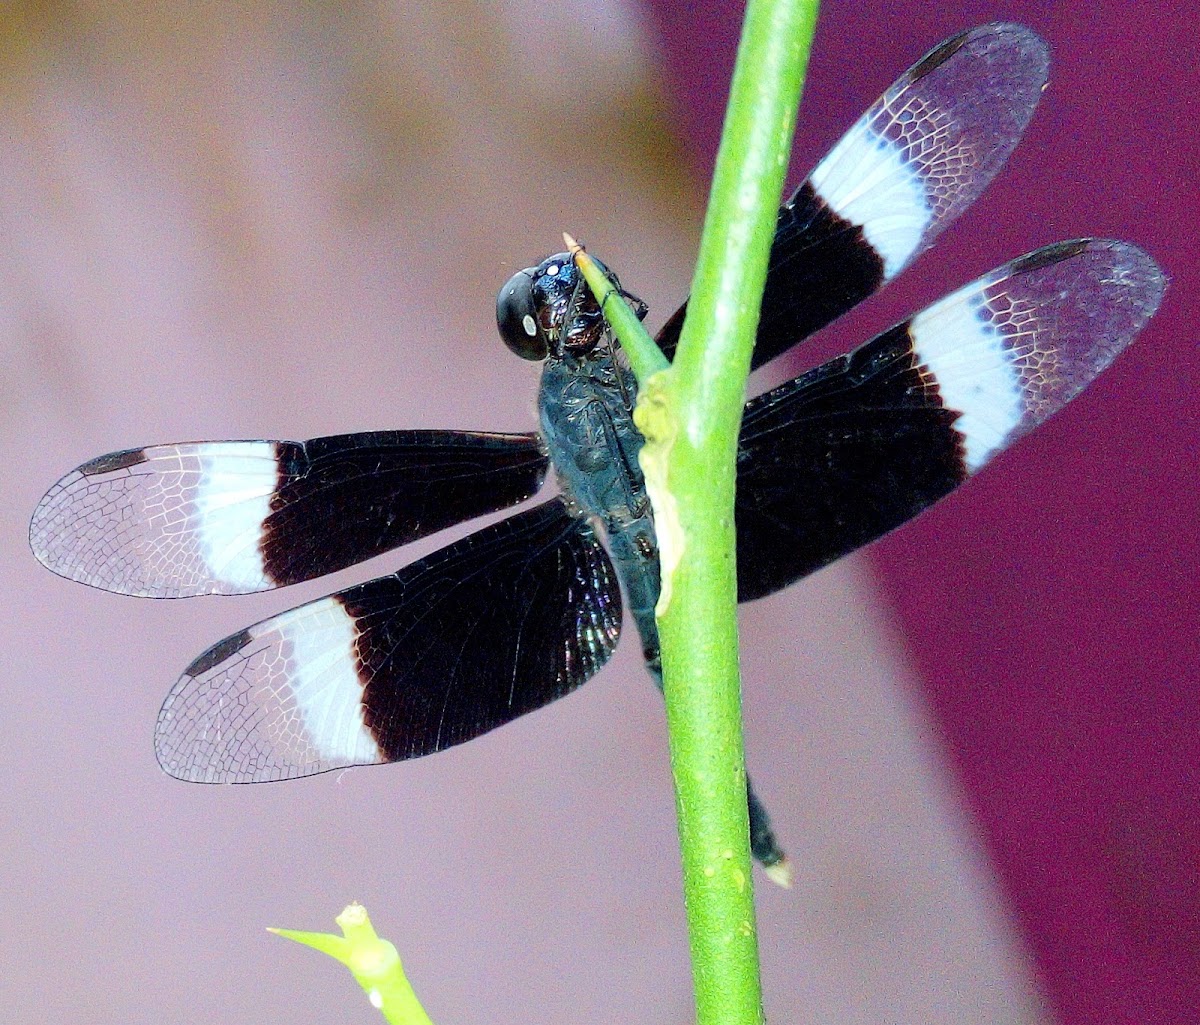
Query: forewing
[845, 453]
[232, 517]
[907, 168]
[489, 628]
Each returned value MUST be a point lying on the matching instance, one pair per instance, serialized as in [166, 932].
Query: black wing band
[500, 623]
[906, 169]
[238, 516]
[849, 451]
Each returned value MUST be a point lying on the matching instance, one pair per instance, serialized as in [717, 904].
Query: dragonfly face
[548, 311]
[526, 610]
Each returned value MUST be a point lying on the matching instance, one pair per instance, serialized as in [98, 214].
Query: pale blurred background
[285, 220]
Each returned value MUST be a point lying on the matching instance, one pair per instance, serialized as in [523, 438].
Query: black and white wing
[232, 517]
[500, 623]
[854, 448]
[908, 167]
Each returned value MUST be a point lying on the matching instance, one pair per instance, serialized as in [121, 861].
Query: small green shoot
[374, 962]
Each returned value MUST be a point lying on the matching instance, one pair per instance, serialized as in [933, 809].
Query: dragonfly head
[548, 311]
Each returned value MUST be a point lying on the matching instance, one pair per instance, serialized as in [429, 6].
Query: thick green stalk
[690, 415]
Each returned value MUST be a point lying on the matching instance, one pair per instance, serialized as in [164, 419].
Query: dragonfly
[524, 611]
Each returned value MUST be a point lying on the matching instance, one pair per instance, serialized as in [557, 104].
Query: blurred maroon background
[281, 220]
[1050, 608]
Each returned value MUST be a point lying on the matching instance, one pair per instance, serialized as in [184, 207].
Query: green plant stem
[645, 357]
[690, 415]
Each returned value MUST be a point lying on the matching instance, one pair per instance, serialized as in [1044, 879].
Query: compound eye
[517, 319]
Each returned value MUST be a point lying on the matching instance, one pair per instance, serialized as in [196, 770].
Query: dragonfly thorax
[586, 412]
